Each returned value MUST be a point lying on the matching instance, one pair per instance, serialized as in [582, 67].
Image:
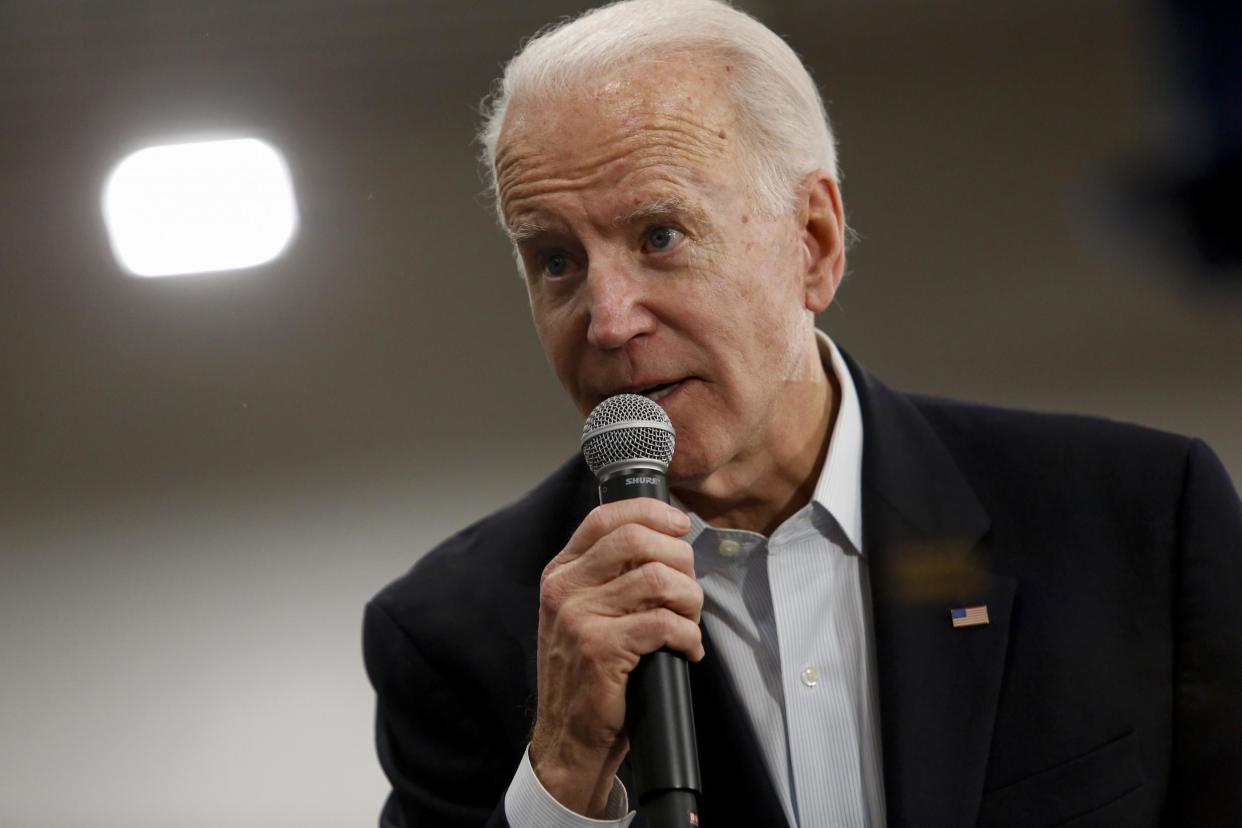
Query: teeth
[659, 392]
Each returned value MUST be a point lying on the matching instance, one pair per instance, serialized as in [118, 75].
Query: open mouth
[659, 392]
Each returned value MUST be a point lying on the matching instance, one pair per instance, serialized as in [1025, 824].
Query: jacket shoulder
[467, 574]
[1053, 467]
[1071, 438]
[450, 649]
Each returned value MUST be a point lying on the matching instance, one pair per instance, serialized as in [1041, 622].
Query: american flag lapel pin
[969, 616]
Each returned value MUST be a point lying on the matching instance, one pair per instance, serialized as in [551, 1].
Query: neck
[760, 491]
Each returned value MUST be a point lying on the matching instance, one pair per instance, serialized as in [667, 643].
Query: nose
[616, 306]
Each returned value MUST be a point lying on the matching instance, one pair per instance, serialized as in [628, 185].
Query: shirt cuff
[528, 804]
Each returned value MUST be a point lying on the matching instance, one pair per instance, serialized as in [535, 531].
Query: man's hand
[621, 588]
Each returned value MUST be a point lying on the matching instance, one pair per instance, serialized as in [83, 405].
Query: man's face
[648, 268]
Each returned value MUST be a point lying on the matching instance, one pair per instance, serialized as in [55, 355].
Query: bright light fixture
[206, 206]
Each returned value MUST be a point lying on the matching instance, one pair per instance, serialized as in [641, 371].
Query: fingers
[636, 564]
[644, 609]
[628, 547]
[628, 569]
[650, 586]
[622, 587]
[620, 642]
[617, 537]
[604, 519]
[646, 632]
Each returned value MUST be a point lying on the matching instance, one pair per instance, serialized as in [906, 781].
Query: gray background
[203, 479]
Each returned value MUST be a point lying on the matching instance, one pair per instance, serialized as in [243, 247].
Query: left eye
[662, 238]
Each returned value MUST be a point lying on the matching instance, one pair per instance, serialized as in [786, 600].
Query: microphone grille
[624, 429]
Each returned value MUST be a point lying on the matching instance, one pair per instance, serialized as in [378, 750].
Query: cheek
[556, 345]
[769, 299]
[560, 341]
[751, 279]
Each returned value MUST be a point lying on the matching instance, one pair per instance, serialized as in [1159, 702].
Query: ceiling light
[199, 207]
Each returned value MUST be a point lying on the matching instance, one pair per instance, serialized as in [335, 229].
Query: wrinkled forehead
[635, 88]
[673, 111]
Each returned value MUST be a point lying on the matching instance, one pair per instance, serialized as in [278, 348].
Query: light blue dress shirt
[790, 617]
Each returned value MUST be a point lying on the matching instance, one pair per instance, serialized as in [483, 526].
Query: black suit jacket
[1106, 689]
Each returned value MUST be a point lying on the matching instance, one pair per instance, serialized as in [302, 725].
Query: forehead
[650, 131]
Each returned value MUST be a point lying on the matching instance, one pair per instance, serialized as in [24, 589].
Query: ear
[821, 224]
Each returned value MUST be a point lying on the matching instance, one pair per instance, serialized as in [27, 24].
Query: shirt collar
[839, 488]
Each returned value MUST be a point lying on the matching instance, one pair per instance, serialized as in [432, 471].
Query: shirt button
[810, 676]
[729, 548]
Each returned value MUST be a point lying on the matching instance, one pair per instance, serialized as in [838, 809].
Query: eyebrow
[664, 207]
[525, 231]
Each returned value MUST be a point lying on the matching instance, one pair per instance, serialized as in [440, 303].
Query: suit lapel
[924, 533]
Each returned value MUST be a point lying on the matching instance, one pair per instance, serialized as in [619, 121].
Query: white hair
[784, 125]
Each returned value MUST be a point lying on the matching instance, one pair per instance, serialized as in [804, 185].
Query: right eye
[556, 264]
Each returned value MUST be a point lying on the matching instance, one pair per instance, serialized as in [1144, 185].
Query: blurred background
[203, 479]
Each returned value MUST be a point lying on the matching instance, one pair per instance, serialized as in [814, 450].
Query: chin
[690, 465]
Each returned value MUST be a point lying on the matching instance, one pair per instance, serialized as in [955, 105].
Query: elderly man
[899, 610]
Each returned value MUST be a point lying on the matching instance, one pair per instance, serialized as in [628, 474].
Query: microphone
[628, 443]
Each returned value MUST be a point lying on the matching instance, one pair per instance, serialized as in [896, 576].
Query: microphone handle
[659, 716]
